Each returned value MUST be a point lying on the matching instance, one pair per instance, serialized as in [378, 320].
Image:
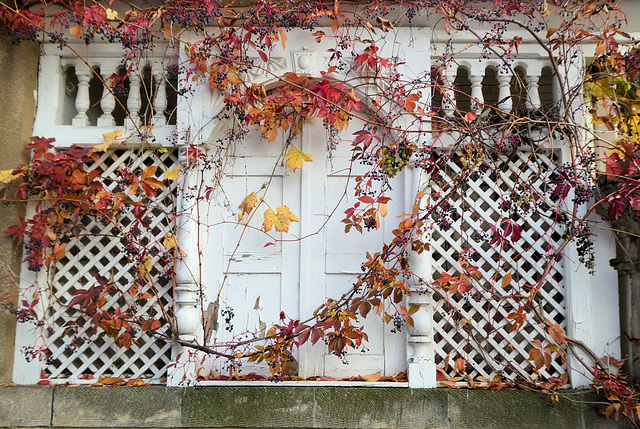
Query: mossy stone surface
[148, 406]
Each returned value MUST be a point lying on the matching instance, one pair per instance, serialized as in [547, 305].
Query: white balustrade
[455, 84]
[77, 103]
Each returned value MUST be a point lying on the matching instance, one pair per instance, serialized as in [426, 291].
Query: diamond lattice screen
[100, 250]
[485, 343]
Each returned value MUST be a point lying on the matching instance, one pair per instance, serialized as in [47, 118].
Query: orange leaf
[506, 280]
[135, 382]
[556, 333]
[76, 30]
[372, 377]
[248, 203]
[109, 381]
[148, 172]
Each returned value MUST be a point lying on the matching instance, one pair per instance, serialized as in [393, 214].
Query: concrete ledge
[291, 407]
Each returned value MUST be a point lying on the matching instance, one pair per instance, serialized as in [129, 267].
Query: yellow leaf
[269, 220]
[7, 177]
[172, 174]
[145, 267]
[282, 220]
[295, 157]
[248, 203]
[108, 139]
[169, 241]
[76, 30]
[112, 14]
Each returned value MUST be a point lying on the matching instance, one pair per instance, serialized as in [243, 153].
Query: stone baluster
[421, 368]
[533, 92]
[134, 101]
[477, 98]
[108, 101]
[505, 103]
[448, 95]
[160, 99]
[83, 103]
[557, 93]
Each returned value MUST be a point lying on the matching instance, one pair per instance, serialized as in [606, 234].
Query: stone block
[148, 406]
[246, 406]
[486, 409]
[25, 406]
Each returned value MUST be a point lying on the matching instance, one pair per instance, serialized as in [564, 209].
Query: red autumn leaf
[470, 117]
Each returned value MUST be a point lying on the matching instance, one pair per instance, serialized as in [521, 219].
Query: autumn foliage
[65, 187]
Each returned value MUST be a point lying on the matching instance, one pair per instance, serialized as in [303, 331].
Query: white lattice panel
[486, 343]
[101, 250]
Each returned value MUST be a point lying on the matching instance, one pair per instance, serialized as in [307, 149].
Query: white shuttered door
[296, 275]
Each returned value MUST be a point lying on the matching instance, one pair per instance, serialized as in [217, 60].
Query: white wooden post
[188, 283]
[421, 367]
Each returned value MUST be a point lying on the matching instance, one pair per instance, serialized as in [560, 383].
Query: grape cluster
[395, 157]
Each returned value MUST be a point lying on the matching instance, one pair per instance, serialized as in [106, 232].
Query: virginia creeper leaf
[295, 157]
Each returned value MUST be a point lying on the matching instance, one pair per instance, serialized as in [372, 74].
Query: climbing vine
[420, 123]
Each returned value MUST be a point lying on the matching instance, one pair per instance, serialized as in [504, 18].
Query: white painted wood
[295, 276]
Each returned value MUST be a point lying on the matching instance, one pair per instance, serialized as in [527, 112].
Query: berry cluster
[395, 157]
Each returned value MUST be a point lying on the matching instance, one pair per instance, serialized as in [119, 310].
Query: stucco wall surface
[18, 71]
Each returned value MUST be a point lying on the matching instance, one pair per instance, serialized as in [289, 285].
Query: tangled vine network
[461, 142]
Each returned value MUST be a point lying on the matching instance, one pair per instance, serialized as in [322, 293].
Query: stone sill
[285, 406]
